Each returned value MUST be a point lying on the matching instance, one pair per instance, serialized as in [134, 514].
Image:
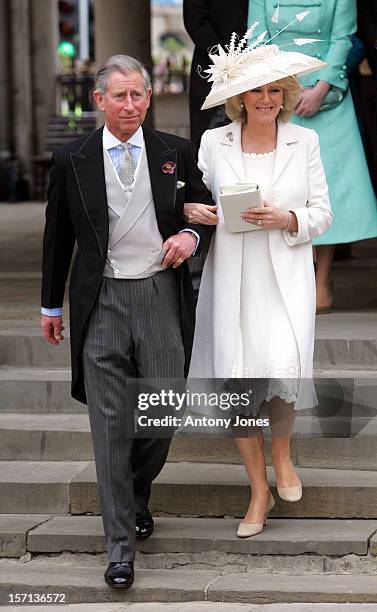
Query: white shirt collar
[109, 140]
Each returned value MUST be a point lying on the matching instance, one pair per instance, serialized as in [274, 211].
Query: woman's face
[263, 103]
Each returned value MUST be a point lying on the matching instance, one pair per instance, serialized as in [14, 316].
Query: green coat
[333, 21]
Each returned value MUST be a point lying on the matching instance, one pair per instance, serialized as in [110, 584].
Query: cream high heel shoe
[246, 530]
[290, 494]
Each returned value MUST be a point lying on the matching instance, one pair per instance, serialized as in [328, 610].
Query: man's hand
[311, 99]
[194, 212]
[52, 328]
[178, 248]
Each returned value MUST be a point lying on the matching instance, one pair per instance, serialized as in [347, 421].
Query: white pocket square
[180, 184]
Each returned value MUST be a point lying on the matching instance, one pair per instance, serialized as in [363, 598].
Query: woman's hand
[311, 99]
[194, 212]
[268, 217]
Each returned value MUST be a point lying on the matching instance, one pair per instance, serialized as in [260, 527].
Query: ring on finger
[259, 222]
[179, 261]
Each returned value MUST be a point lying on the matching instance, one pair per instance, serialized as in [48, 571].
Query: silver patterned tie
[127, 167]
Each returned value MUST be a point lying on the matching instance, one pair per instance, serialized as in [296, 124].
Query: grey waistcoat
[135, 242]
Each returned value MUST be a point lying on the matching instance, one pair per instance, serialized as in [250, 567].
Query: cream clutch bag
[235, 199]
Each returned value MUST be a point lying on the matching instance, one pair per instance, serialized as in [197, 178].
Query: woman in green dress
[353, 202]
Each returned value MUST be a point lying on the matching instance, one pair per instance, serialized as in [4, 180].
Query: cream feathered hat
[245, 67]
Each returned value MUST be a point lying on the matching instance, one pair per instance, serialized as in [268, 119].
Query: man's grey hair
[120, 63]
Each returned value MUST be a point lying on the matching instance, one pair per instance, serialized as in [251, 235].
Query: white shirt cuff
[196, 236]
[52, 312]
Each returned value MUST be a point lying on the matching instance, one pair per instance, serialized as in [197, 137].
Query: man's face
[125, 103]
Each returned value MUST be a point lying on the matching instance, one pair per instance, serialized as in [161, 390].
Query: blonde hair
[236, 111]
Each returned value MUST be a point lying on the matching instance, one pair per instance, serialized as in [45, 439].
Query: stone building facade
[28, 66]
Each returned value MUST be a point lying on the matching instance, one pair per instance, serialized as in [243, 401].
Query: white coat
[299, 184]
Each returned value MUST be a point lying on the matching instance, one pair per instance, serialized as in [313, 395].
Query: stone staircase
[322, 549]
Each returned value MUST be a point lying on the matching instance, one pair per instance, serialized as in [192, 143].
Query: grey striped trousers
[134, 331]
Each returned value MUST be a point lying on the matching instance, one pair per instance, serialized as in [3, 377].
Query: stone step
[50, 389]
[14, 530]
[49, 437]
[28, 487]
[44, 534]
[300, 546]
[202, 606]
[81, 584]
[343, 442]
[184, 489]
[38, 390]
[346, 338]
[21, 344]
[341, 338]
[196, 606]
[223, 490]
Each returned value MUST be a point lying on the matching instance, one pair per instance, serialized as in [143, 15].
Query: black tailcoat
[77, 211]
[209, 23]
[367, 29]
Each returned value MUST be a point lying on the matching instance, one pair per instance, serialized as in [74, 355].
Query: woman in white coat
[256, 307]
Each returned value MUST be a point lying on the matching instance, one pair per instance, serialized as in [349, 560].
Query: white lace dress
[267, 346]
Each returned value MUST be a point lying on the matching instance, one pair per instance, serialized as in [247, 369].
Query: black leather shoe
[120, 574]
[144, 527]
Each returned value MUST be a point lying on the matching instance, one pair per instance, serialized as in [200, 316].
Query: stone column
[21, 89]
[44, 42]
[5, 99]
[123, 26]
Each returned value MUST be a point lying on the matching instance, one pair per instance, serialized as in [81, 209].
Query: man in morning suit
[119, 194]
